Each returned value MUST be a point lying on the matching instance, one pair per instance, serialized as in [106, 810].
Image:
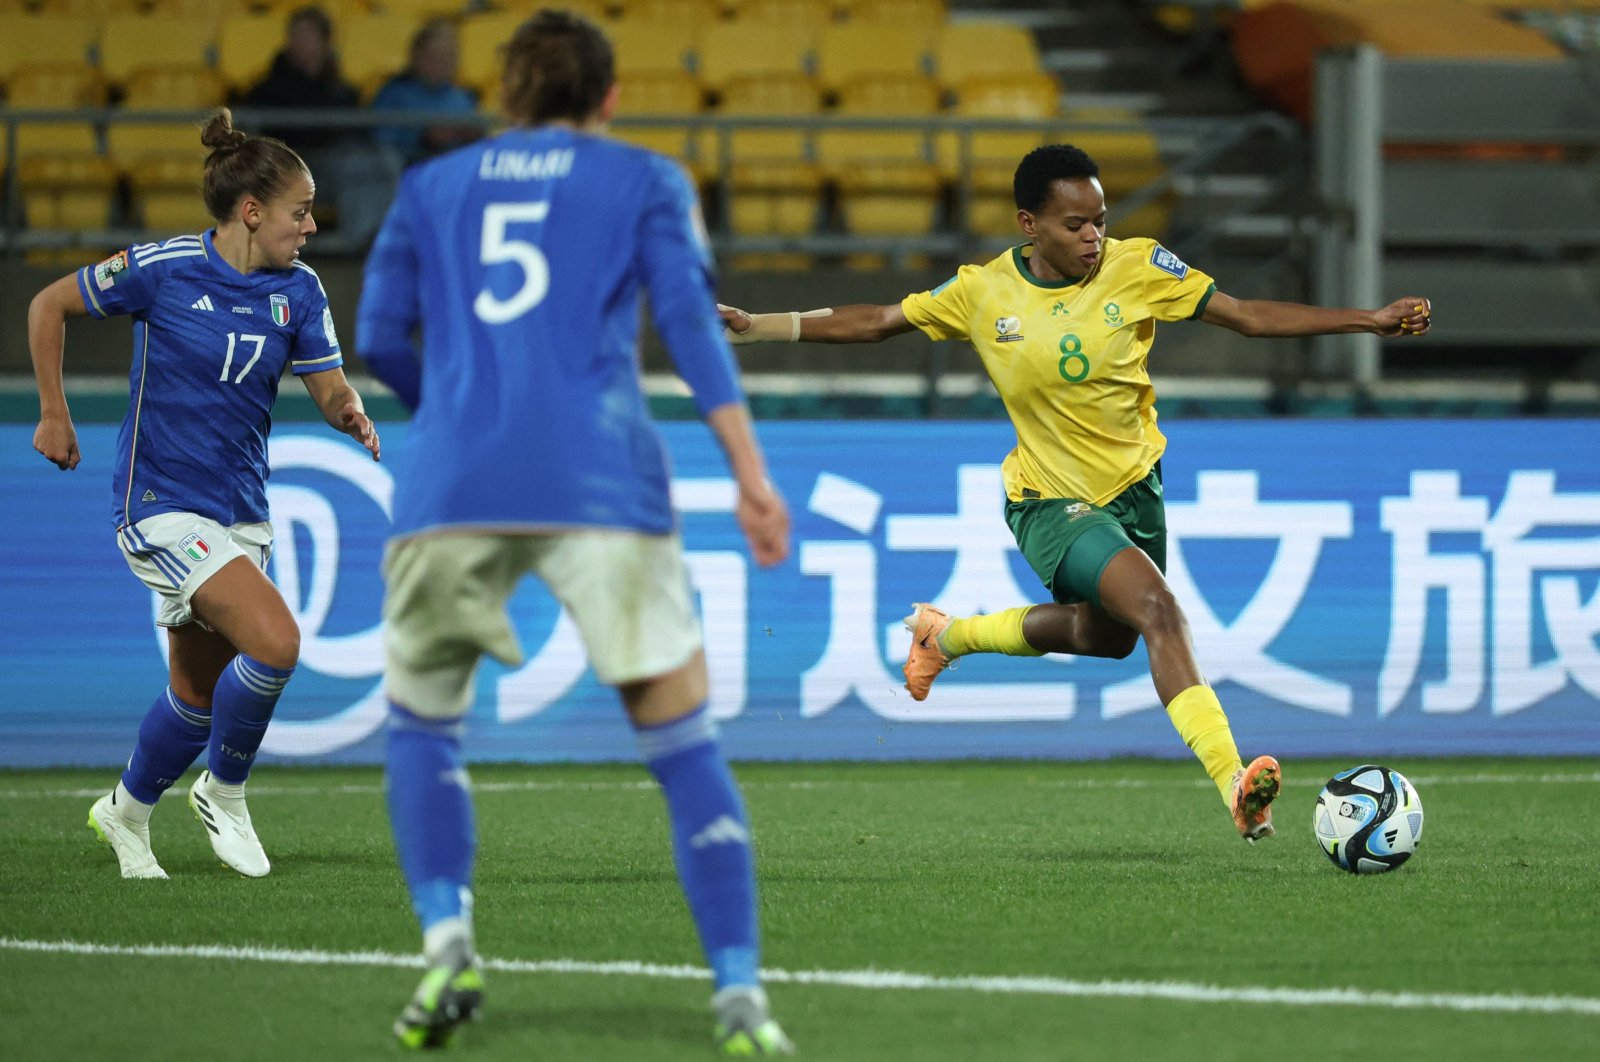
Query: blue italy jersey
[522, 259]
[209, 346]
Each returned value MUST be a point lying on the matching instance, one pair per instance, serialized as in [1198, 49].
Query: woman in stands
[1064, 323]
[216, 318]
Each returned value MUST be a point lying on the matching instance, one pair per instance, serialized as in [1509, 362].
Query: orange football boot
[1254, 789]
[926, 659]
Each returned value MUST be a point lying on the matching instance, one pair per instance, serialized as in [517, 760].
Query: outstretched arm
[840, 324]
[55, 437]
[1410, 316]
[342, 408]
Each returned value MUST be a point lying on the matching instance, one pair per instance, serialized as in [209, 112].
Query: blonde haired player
[1064, 325]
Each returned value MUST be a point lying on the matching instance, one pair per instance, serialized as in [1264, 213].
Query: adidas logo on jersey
[724, 830]
[202, 303]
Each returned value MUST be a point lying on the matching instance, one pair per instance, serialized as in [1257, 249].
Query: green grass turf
[1121, 871]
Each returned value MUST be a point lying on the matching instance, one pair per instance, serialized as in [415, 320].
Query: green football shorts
[1068, 542]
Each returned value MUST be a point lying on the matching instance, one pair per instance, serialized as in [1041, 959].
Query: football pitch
[910, 911]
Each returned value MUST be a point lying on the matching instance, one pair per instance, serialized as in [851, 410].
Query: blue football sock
[172, 736]
[430, 810]
[241, 708]
[710, 842]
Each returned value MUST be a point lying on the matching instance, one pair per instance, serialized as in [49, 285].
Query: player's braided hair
[559, 66]
[241, 165]
[1043, 167]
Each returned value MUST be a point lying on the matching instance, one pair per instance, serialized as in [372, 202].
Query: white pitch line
[1173, 991]
[1419, 780]
[477, 787]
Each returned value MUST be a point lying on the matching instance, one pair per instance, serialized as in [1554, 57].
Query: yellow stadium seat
[773, 199]
[852, 51]
[645, 48]
[424, 9]
[1023, 96]
[164, 89]
[775, 190]
[133, 43]
[90, 9]
[1129, 159]
[165, 191]
[31, 40]
[173, 88]
[599, 11]
[967, 50]
[55, 85]
[792, 95]
[880, 97]
[246, 47]
[889, 198]
[689, 12]
[664, 95]
[482, 38]
[805, 15]
[738, 50]
[922, 15]
[994, 154]
[56, 138]
[373, 48]
[337, 10]
[75, 192]
[211, 12]
[885, 182]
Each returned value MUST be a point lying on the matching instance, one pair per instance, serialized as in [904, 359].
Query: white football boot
[129, 839]
[220, 808]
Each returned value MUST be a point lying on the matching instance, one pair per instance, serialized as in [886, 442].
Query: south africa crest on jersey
[280, 310]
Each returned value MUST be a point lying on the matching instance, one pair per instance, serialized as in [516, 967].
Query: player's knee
[1162, 616]
[279, 647]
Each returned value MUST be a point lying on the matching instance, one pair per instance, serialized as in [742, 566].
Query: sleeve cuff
[1200, 307]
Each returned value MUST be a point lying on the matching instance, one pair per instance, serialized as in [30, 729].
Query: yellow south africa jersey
[1068, 358]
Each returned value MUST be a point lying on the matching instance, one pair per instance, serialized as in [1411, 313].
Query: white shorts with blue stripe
[175, 553]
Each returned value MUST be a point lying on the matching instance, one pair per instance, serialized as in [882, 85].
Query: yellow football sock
[1197, 714]
[997, 633]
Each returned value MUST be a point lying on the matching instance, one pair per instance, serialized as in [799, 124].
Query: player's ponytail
[241, 165]
[559, 67]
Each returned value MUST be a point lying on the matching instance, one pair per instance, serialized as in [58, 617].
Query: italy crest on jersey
[280, 310]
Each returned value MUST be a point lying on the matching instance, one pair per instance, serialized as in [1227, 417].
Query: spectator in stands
[356, 172]
[428, 83]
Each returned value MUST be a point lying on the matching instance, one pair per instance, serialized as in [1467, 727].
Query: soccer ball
[1368, 819]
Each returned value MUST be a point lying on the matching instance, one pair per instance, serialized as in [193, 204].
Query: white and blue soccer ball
[1368, 819]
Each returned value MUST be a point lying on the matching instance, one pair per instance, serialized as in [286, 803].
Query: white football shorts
[175, 553]
[445, 606]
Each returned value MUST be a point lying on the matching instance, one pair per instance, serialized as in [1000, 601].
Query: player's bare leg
[1139, 603]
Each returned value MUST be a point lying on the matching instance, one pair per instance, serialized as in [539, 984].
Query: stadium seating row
[782, 58]
[697, 11]
[372, 47]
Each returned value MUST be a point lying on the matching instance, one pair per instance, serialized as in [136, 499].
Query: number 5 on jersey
[496, 247]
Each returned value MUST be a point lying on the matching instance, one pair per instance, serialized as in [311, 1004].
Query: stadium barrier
[1355, 588]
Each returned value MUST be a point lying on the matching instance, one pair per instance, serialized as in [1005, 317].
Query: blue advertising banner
[1359, 588]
